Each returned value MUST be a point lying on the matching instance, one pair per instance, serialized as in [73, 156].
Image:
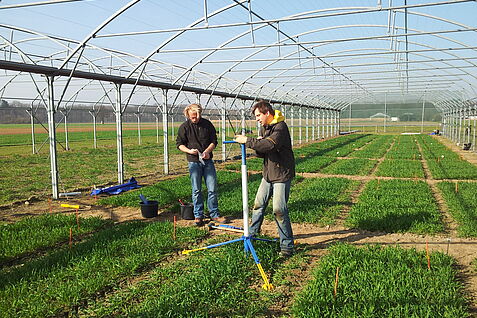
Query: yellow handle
[267, 285]
[70, 206]
[195, 250]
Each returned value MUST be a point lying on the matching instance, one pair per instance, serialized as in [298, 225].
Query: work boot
[285, 254]
[218, 219]
[198, 222]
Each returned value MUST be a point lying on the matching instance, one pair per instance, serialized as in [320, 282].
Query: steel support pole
[164, 129]
[52, 138]
[313, 116]
[138, 127]
[306, 123]
[32, 125]
[67, 144]
[119, 134]
[422, 114]
[299, 125]
[223, 117]
[292, 120]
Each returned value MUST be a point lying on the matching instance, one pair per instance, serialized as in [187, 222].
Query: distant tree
[3, 103]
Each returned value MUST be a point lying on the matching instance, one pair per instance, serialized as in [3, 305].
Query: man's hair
[263, 107]
[195, 108]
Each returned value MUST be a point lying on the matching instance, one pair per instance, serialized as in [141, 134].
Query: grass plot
[376, 281]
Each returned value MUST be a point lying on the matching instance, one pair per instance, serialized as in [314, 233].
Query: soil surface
[310, 238]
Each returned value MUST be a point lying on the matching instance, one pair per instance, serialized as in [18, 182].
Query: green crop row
[404, 147]
[396, 206]
[39, 232]
[376, 281]
[319, 200]
[400, 169]
[219, 282]
[462, 203]
[376, 148]
[57, 283]
[443, 162]
[356, 166]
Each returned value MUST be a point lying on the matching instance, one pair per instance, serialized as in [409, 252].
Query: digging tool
[246, 237]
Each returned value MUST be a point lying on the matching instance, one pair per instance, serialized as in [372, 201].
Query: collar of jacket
[278, 117]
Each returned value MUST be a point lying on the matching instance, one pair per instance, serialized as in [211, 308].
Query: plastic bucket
[187, 212]
[149, 209]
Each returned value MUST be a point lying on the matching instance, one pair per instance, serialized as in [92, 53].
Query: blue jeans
[196, 172]
[280, 192]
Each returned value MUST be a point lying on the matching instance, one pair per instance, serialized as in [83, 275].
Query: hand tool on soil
[225, 227]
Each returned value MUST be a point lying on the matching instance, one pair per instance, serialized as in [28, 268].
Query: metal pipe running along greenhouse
[321, 62]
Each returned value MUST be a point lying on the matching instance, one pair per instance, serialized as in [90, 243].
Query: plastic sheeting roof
[325, 53]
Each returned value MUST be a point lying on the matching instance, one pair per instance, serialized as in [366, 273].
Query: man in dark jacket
[278, 171]
[197, 137]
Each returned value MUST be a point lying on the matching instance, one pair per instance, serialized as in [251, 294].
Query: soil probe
[246, 238]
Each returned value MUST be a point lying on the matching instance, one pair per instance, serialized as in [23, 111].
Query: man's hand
[205, 155]
[240, 139]
[193, 152]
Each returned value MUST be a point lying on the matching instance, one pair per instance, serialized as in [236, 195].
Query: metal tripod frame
[246, 238]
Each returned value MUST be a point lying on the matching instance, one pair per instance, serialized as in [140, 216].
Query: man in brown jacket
[278, 171]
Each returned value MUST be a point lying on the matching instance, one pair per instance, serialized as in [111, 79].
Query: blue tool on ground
[143, 198]
[246, 238]
[131, 184]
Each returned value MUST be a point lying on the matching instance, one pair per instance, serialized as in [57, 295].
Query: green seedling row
[39, 232]
[319, 200]
[376, 281]
[405, 147]
[396, 206]
[57, 283]
[356, 166]
[444, 163]
[400, 169]
[462, 202]
[375, 149]
[219, 282]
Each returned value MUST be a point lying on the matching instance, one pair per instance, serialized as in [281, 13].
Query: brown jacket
[276, 150]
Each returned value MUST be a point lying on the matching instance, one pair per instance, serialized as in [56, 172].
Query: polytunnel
[312, 59]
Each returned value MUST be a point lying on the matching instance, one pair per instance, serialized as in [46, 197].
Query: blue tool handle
[143, 198]
[242, 146]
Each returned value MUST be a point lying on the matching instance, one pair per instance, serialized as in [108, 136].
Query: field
[385, 226]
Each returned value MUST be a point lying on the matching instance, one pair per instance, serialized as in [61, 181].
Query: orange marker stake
[335, 291]
[71, 237]
[428, 257]
[174, 233]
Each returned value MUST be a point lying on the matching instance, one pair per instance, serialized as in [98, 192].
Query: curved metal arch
[97, 29]
[445, 52]
[170, 39]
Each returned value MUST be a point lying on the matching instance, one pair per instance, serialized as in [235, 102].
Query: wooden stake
[335, 291]
[50, 206]
[428, 257]
[71, 237]
[174, 233]
[456, 187]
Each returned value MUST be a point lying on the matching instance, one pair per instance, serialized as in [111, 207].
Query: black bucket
[187, 212]
[149, 209]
